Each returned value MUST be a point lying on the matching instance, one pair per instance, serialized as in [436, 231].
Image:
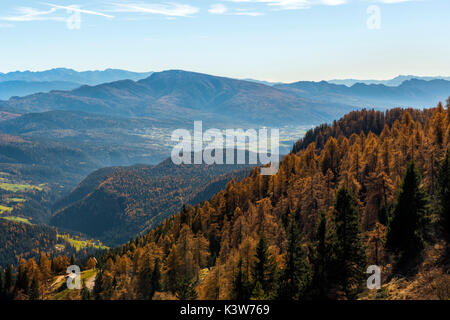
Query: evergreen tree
[296, 276]
[186, 290]
[444, 193]
[258, 292]
[8, 282]
[322, 260]
[73, 260]
[22, 281]
[34, 289]
[98, 286]
[145, 283]
[2, 285]
[407, 223]
[85, 293]
[156, 278]
[241, 284]
[350, 253]
[264, 268]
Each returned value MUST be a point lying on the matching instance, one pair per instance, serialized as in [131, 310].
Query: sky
[272, 40]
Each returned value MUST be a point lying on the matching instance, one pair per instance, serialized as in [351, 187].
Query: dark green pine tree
[186, 290]
[296, 276]
[408, 220]
[73, 260]
[85, 292]
[350, 253]
[98, 286]
[241, 284]
[8, 282]
[34, 289]
[264, 269]
[2, 286]
[322, 261]
[145, 283]
[444, 194]
[156, 278]
[22, 281]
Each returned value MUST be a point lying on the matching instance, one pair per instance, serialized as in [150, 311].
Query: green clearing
[16, 200]
[81, 244]
[17, 219]
[11, 187]
[4, 209]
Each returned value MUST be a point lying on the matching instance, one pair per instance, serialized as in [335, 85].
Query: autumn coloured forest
[372, 188]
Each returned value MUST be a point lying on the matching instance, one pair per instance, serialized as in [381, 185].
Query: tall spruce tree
[296, 276]
[350, 253]
[145, 283]
[98, 286]
[85, 292]
[34, 291]
[444, 194]
[408, 221]
[241, 283]
[321, 259]
[186, 289]
[156, 278]
[264, 269]
[8, 282]
[2, 285]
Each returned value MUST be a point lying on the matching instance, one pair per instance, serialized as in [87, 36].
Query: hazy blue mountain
[411, 93]
[184, 95]
[70, 75]
[267, 83]
[13, 88]
[391, 82]
[110, 140]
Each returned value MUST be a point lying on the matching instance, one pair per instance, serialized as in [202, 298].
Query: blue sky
[274, 40]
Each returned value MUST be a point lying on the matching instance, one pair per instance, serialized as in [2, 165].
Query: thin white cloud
[25, 14]
[395, 1]
[306, 4]
[282, 4]
[244, 12]
[166, 9]
[221, 9]
[77, 9]
[31, 14]
[217, 9]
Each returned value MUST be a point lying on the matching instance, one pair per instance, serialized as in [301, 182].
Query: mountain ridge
[194, 95]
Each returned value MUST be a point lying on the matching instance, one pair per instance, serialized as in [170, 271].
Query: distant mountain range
[22, 83]
[70, 75]
[177, 95]
[391, 82]
[187, 96]
[21, 88]
[411, 93]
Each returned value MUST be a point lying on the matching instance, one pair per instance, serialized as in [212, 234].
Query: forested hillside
[311, 230]
[355, 199]
[115, 204]
[19, 240]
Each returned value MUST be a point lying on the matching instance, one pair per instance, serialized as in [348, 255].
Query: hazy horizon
[219, 75]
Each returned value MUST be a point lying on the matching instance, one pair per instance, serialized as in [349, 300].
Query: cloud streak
[77, 9]
[306, 4]
[166, 9]
[26, 14]
[31, 14]
[217, 9]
